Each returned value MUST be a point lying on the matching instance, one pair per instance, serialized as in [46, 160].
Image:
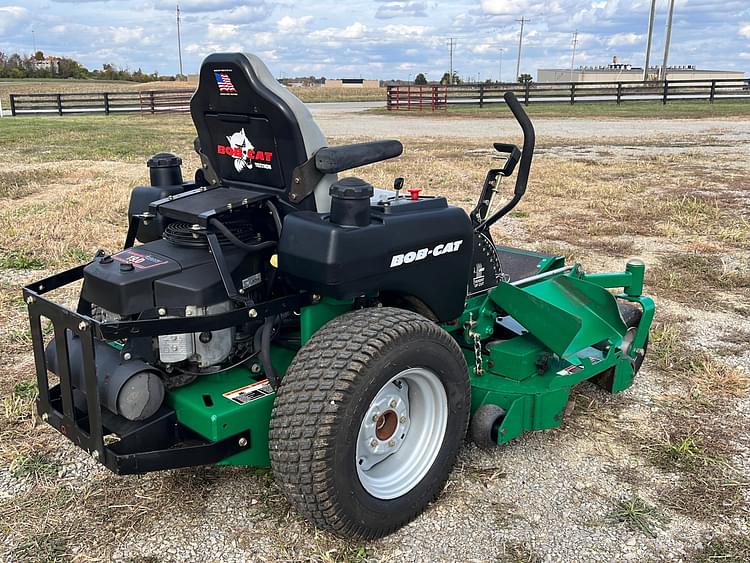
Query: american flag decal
[224, 82]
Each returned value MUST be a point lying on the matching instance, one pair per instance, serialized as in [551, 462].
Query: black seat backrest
[252, 131]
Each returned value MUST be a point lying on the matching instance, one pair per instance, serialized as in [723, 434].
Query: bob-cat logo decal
[422, 253]
[244, 153]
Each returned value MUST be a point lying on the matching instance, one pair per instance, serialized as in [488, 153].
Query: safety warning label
[249, 393]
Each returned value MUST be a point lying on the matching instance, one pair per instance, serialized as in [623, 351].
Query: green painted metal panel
[565, 313]
[203, 407]
[313, 317]
[515, 358]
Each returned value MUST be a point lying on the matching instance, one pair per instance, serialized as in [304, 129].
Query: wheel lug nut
[374, 418]
[393, 403]
[392, 443]
[402, 420]
[374, 443]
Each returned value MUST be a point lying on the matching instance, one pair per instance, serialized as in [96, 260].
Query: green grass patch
[15, 260]
[686, 453]
[25, 389]
[35, 465]
[639, 515]
[96, 137]
[682, 109]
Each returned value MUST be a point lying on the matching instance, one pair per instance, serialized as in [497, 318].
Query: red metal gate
[417, 98]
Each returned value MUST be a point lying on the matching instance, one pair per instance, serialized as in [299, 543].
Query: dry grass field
[660, 472]
[53, 86]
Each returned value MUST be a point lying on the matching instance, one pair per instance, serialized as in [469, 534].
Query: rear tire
[375, 375]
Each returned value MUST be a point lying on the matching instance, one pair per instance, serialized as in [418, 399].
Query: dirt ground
[660, 472]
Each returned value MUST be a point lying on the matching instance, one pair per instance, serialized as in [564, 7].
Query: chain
[474, 335]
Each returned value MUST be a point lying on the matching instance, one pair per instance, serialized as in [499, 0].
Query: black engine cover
[161, 274]
[421, 249]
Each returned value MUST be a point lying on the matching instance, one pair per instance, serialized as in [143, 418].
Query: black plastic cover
[423, 253]
[163, 275]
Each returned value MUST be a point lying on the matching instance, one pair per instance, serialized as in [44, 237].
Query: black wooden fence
[405, 97]
[151, 101]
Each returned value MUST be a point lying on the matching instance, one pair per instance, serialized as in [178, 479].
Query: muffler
[129, 388]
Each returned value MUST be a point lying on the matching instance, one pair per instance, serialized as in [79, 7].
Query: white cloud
[225, 30]
[289, 24]
[401, 9]
[745, 30]
[505, 7]
[334, 34]
[354, 31]
[11, 16]
[405, 31]
[624, 39]
[124, 35]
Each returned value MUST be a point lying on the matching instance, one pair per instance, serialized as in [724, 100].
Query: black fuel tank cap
[164, 160]
[351, 188]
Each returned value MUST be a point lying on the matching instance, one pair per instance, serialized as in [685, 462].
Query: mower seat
[252, 132]
[255, 134]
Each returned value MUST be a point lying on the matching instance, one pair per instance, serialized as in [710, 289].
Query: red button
[414, 192]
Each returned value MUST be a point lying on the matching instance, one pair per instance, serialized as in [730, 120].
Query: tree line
[420, 79]
[28, 66]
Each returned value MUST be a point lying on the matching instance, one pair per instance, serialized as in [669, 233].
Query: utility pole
[500, 70]
[451, 45]
[179, 41]
[523, 20]
[650, 39]
[33, 39]
[573, 58]
[667, 40]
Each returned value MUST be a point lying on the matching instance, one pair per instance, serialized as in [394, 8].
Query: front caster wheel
[368, 421]
[485, 425]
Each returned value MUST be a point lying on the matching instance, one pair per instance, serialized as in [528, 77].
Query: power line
[650, 39]
[523, 20]
[573, 58]
[451, 44]
[179, 41]
[667, 40]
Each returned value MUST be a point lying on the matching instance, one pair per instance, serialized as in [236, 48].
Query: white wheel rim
[401, 433]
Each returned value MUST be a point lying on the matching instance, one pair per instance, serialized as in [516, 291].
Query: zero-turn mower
[347, 336]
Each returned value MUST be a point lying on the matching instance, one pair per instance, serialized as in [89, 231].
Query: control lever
[398, 185]
[514, 155]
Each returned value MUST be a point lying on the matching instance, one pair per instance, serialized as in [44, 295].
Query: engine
[177, 276]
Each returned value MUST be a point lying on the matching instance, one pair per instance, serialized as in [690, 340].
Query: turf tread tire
[319, 390]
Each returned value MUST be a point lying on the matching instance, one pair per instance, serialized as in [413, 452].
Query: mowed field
[660, 472]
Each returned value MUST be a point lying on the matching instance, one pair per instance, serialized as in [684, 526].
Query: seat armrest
[331, 160]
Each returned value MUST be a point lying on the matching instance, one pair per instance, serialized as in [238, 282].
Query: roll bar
[527, 154]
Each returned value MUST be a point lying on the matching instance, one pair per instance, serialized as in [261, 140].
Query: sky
[384, 39]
